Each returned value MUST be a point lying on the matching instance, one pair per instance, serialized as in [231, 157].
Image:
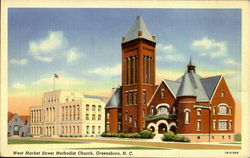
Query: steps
[157, 138]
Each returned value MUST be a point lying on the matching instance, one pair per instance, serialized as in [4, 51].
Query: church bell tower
[138, 75]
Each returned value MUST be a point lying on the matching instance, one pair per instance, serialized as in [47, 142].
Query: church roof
[115, 100]
[210, 84]
[173, 85]
[138, 26]
[191, 84]
[186, 87]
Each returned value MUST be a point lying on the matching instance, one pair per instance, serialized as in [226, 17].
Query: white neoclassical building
[67, 113]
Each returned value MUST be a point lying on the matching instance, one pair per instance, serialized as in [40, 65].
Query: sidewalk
[148, 143]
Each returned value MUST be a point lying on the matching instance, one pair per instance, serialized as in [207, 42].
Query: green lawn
[26, 141]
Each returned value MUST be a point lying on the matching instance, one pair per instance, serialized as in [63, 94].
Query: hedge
[170, 136]
[109, 134]
[147, 134]
[237, 137]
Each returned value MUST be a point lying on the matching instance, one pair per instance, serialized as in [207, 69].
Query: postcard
[124, 79]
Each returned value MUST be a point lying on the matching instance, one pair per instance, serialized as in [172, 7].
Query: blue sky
[83, 46]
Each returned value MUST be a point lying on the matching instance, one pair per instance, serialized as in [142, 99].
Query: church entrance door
[16, 130]
[162, 128]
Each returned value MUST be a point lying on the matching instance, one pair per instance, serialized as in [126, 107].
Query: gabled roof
[10, 115]
[210, 84]
[186, 88]
[173, 86]
[24, 118]
[115, 100]
[137, 26]
[191, 84]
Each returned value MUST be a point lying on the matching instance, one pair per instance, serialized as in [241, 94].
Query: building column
[31, 116]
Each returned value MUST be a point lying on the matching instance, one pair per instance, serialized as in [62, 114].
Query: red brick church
[201, 109]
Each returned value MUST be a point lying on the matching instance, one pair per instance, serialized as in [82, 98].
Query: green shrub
[109, 134]
[147, 134]
[237, 137]
[170, 136]
[143, 134]
[121, 135]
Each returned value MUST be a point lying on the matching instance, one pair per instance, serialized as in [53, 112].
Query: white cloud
[18, 86]
[18, 62]
[231, 62]
[45, 49]
[210, 47]
[168, 53]
[73, 55]
[116, 70]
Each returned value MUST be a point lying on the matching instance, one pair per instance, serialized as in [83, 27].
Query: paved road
[147, 143]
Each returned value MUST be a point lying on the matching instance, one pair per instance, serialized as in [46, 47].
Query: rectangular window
[127, 98]
[198, 111]
[135, 98]
[135, 124]
[230, 125]
[93, 129]
[144, 97]
[107, 127]
[130, 119]
[87, 116]
[99, 129]
[87, 107]
[87, 130]
[126, 116]
[119, 126]
[108, 115]
[214, 111]
[93, 107]
[120, 115]
[214, 124]
[222, 125]
[198, 125]
[99, 117]
[93, 116]
[130, 98]
[99, 108]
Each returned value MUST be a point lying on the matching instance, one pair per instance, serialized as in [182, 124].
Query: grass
[232, 143]
[25, 141]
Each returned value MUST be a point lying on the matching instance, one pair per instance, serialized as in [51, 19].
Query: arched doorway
[152, 129]
[16, 130]
[173, 129]
[162, 128]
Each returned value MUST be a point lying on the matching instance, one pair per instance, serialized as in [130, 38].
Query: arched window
[162, 110]
[152, 111]
[162, 93]
[214, 110]
[230, 111]
[174, 110]
[223, 109]
[187, 116]
[222, 94]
